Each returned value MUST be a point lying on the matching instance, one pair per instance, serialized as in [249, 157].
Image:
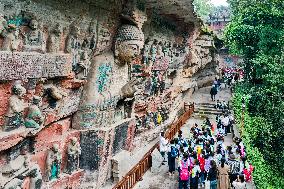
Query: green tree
[256, 32]
[203, 8]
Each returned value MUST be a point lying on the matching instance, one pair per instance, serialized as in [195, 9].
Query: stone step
[205, 104]
[206, 112]
[208, 109]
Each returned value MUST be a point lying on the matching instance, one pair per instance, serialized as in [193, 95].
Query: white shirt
[163, 144]
[239, 185]
[225, 121]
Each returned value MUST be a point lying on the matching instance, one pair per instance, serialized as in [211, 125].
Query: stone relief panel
[20, 65]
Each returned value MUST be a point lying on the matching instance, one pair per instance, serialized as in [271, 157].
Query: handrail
[137, 172]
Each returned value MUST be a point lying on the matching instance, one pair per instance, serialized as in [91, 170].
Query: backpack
[212, 141]
[174, 152]
[184, 174]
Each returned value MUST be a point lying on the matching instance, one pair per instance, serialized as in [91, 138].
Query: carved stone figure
[160, 49]
[54, 94]
[83, 65]
[109, 74]
[33, 173]
[73, 153]
[74, 44]
[154, 51]
[3, 25]
[11, 38]
[13, 174]
[53, 42]
[34, 39]
[128, 44]
[129, 89]
[146, 52]
[93, 35]
[34, 118]
[53, 163]
[14, 116]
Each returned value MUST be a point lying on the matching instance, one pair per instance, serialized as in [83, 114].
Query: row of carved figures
[14, 174]
[154, 50]
[35, 41]
[54, 159]
[17, 105]
[32, 39]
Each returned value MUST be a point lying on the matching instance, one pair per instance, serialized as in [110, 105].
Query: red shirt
[201, 163]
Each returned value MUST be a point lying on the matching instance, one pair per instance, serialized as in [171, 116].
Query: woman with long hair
[212, 175]
[223, 175]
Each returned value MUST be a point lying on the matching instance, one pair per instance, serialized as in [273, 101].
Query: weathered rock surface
[113, 74]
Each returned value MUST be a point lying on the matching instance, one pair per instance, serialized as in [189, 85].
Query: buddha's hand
[129, 89]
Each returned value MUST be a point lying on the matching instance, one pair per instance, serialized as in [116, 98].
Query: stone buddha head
[55, 148]
[34, 24]
[36, 100]
[128, 44]
[18, 90]
[74, 141]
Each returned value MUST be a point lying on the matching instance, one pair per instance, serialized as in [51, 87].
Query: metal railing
[137, 172]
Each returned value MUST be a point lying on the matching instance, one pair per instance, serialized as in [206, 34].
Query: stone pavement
[161, 179]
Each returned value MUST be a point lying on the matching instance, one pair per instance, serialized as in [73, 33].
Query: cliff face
[82, 81]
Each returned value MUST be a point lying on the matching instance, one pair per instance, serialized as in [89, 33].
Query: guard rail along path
[136, 173]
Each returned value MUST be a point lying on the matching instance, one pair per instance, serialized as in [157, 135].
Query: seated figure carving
[11, 39]
[34, 39]
[34, 118]
[14, 116]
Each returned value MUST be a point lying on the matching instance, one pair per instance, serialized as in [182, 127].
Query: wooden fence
[137, 172]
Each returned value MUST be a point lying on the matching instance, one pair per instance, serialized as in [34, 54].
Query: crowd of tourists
[202, 160]
[228, 78]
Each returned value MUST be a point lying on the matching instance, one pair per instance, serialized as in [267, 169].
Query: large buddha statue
[109, 80]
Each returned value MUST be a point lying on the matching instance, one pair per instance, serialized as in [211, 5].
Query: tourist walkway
[159, 178]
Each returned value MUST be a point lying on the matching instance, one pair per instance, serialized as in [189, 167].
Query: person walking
[184, 168]
[239, 183]
[234, 167]
[172, 155]
[163, 146]
[212, 175]
[223, 175]
[225, 122]
[213, 92]
[195, 173]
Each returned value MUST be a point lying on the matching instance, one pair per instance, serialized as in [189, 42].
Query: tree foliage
[203, 8]
[257, 32]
